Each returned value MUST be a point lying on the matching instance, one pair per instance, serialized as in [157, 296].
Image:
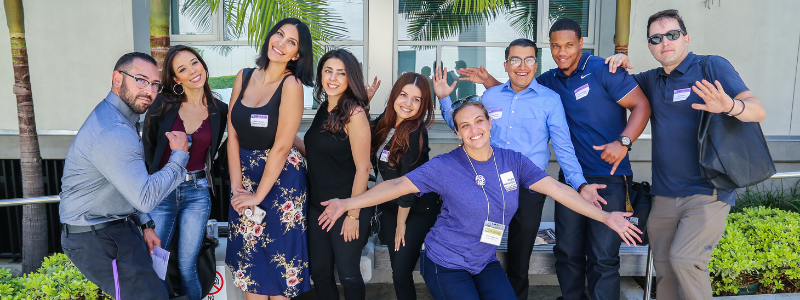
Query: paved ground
[385, 291]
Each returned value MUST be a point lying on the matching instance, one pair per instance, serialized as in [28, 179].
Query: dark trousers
[454, 284]
[587, 250]
[405, 260]
[521, 237]
[326, 249]
[92, 253]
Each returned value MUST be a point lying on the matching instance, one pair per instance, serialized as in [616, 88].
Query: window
[227, 51]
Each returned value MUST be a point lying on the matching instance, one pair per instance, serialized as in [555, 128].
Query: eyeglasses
[466, 99]
[516, 61]
[671, 35]
[143, 83]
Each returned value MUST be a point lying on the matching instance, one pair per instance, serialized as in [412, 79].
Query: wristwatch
[625, 141]
[150, 224]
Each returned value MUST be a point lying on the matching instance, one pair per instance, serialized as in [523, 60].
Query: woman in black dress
[337, 146]
[400, 145]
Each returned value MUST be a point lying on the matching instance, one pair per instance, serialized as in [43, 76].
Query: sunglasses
[466, 99]
[671, 35]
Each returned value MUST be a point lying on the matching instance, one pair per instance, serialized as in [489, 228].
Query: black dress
[331, 172]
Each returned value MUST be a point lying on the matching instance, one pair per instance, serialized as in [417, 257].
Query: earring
[176, 92]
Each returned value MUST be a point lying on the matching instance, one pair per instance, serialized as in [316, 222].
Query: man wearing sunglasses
[595, 102]
[688, 215]
[525, 117]
[106, 189]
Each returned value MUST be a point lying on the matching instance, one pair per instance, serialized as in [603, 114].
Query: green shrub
[58, 278]
[784, 196]
[221, 82]
[759, 245]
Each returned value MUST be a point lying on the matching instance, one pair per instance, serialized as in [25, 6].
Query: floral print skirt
[271, 257]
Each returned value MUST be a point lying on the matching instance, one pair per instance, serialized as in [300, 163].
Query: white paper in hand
[160, 260]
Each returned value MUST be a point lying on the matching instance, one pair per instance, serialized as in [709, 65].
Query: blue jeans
[186, 208]
[587, 250]
[443, 283]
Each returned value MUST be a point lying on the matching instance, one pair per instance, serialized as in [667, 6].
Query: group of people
[300, 206]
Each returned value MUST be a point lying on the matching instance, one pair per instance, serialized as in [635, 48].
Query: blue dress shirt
[525, 122]
[105, 178]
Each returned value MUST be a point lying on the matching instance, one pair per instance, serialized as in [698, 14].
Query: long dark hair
[303, 67]
[423, 118]
[353, 97]
[169, 96]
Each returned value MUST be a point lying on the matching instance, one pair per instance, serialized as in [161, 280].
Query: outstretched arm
[383, 192]
[479, 76]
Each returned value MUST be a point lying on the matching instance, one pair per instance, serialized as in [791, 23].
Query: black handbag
[206, 267]
[641, 201]
[733, 154]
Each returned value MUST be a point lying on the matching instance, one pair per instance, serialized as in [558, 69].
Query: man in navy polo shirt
[595, 101]
[688, 216]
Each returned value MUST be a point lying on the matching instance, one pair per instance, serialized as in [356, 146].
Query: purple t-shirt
[454, 241]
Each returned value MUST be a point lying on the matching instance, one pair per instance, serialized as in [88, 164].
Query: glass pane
[224, 62]
[419, 60]
[190, 18]
[491, 58]
[350, 13]
[436, 21]
[577, 10]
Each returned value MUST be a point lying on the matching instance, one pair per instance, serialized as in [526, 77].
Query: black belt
[195, 176]
[81, 229]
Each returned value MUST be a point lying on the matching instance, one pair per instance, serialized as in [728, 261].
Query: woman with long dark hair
[400, 145]
[337, 146]
[267, 250]
[186, 104]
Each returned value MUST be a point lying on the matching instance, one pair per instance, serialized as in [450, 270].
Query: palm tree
[159, 30]
[34, 221]
[623, 27]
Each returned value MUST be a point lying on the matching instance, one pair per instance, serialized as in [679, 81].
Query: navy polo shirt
[676, 170]
[589, 96]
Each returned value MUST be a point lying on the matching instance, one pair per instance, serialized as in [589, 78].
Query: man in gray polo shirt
[106, 187]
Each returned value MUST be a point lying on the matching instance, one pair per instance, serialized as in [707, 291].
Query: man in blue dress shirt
[688, 215]
[106, 187]
[526, 116]
[595, 101]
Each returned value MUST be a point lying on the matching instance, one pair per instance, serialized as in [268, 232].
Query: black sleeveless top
[256, 126]
[329, 159]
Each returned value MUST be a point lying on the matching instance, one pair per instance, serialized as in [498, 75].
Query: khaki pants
[683, 233]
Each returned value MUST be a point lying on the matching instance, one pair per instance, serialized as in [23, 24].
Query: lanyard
[484, 190]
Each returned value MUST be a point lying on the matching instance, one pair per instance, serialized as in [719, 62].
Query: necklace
[481, 181]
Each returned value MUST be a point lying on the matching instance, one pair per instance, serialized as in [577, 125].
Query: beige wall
[760, 39]
[72, 48]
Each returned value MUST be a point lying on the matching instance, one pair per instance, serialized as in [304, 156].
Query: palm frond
[478, 6]
[439, 20]
[522, 18]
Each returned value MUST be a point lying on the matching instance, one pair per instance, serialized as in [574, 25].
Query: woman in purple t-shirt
[480, 194]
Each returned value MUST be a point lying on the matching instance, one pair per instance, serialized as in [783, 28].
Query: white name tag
[680, 95]
[508, 181]
[257, 120]
[582, 91]
[385, 155]
[496, 113]
[492, 233]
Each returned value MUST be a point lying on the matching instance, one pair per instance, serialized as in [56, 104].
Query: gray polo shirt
[105, 177]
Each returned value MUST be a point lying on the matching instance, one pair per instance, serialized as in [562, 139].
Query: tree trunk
[623, 27]
[34, 221]
[159, 30]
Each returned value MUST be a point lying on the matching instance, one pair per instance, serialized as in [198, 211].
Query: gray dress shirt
[105, 177]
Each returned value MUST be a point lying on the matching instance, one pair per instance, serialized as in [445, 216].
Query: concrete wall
[72, 48]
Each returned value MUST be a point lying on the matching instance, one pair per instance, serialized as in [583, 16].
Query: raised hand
[617, 60]
[717, 101]
[476, 75]
[440, 86]
[589, 192]
[616, 221]
[371, 89]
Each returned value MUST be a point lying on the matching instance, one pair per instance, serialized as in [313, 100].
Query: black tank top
[331, 168]
[256, 126]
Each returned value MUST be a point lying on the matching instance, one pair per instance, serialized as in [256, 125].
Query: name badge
[492, 233]
[496, 113]
[508, 181]
[257, 120]
[680, 95]
[582, 91]
[385, 155]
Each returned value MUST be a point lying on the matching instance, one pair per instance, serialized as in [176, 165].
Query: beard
[130, 99]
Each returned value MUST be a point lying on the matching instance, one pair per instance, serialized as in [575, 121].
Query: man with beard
[106, 187]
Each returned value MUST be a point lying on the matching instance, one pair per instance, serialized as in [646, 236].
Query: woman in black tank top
[267, 250]
[337, 146]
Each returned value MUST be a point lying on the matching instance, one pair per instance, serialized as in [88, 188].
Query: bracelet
[743, 106]
[352, 218]
[732, 107]
[581, 187]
